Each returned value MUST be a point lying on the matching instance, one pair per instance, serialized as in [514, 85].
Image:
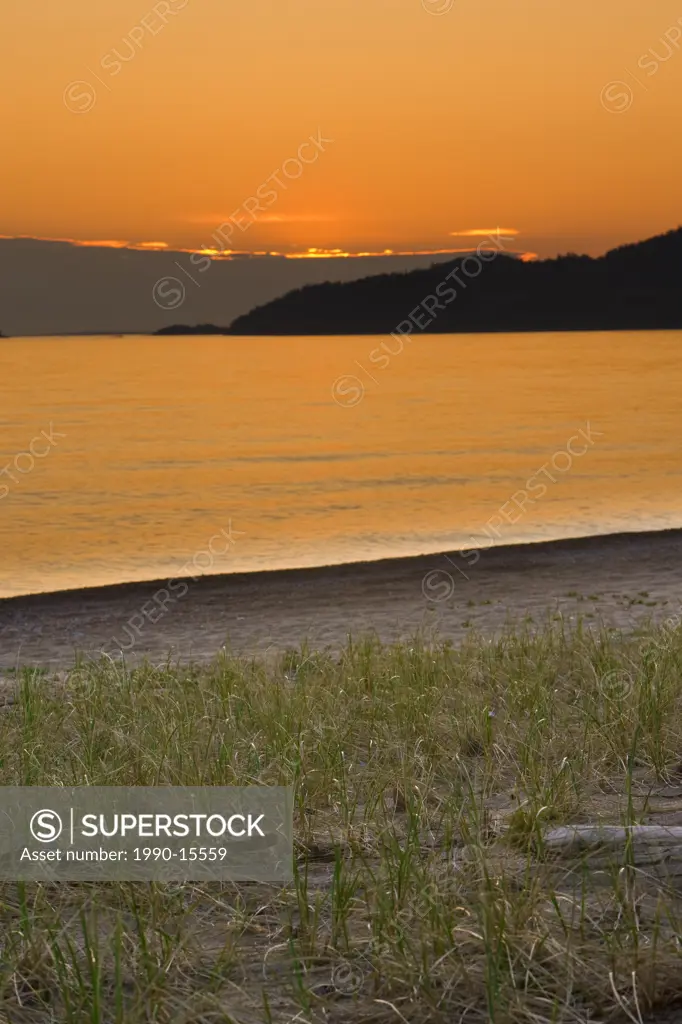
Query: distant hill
[199, 329]
[632, 287]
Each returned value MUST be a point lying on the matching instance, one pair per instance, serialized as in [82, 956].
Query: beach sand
[619, 581]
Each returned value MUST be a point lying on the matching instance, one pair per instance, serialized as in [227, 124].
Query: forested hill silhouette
[176, 329]
[632, 287]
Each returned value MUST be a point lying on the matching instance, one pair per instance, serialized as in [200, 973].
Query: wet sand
[618, 581]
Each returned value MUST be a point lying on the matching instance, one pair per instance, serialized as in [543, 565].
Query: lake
[137, 458]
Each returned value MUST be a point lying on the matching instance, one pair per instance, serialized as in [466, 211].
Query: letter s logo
[46, 826]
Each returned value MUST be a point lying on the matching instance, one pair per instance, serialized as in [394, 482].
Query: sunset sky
[140, 121]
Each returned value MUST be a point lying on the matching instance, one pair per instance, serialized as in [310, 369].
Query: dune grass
[425, 779]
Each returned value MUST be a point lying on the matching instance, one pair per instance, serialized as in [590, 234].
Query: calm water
[169, 441]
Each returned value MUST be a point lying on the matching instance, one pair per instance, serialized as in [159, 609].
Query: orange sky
[445, 116]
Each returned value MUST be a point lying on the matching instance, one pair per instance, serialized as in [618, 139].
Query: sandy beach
[619, 580]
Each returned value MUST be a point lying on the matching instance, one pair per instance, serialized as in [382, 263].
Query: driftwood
[654, 850]
[572, 839]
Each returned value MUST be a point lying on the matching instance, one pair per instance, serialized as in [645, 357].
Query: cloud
[268, 218]
[99, 243]
[309, 254]
[293, 253]
[476, 232]
[295, 218]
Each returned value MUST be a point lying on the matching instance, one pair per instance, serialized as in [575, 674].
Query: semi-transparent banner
[146, 833]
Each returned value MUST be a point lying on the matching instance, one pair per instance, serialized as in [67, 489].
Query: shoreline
[393, 561]
[614, 580]
[339, 334]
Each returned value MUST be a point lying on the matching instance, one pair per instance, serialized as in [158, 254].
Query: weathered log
[653, 851]
[572, 839]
